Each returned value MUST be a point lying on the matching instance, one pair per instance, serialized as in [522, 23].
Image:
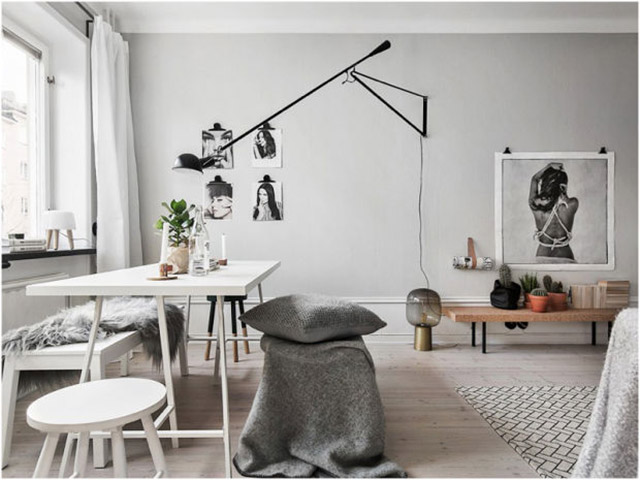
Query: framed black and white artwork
[267, 201]
[212, 141]
[554, 211]
[266, 150]
[219, 200]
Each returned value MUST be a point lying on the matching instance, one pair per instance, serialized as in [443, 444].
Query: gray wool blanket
[610, 448]
[73, 325]
[317, 413]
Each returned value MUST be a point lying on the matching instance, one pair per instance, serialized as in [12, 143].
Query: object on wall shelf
[268, 200]
[213, 153]
[219, 194]
[190, 161]
[56, 220]
[471, 262]
[424, 310]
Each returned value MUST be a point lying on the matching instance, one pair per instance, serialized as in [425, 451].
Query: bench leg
[82, 453]
[593, 333]
[484, 337]
[100, 445]
[46, 456]
[473, 334]
[119, 453]
[609, 326]
[10, 377]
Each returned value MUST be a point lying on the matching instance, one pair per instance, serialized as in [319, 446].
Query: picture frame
[555, 210]
[212, 141]
[266, 150]
[266, 201]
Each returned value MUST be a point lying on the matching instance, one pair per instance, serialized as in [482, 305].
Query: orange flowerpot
[527, 301]
[557, 302]
[539, 304]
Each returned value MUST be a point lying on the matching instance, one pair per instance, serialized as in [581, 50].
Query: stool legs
[82, 453]
[234, 331]
[46, 456]
[119, 455]
[244, 328]
[155, 446]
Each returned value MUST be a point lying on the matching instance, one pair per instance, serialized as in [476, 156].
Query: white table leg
[225, 391]
[182, 349]
[260, 293]
[10, 377]
[119, 453]
[100, 445]
[84, 376]
[46, 456]
[166, 366]
[66, 454]
[82, 453]
[155, 447]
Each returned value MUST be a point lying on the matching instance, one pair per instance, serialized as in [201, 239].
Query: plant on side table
[180, 222]
[557, 297]
[506, 293]
[529, 283]
[539, 300]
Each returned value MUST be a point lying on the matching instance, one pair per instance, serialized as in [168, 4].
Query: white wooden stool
[64, 357]
[93, 406]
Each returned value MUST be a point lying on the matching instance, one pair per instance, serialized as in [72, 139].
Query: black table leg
[484, 337]
[609, 326]
[473, 334]
[593, 333]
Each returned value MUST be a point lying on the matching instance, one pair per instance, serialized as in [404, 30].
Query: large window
[22, 135]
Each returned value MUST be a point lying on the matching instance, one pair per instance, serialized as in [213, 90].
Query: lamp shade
[58, 220]
[423, 307]
[187, 163]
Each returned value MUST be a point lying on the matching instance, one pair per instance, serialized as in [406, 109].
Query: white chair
[64, 357]
[94, 406]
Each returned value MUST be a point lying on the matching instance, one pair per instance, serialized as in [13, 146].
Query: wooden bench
[483, 315]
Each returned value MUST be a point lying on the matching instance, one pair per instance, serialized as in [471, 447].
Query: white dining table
[237, 278]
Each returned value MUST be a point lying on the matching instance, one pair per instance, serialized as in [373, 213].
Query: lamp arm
[379, 49]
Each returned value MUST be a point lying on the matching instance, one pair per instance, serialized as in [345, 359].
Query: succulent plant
[547, 281]
[529, 282]
[505, 275]
[539, 292]
[180, 222]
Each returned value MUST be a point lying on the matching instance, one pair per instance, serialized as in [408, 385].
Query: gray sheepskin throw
[317, 413]
[73, 325]
[610, 448]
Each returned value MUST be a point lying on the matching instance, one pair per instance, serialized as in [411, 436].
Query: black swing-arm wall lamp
[188, 162]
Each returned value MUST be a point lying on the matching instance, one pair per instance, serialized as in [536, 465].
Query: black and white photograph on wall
[267, 201]
[267, 148]
[554, 211]
[212, 142]
[219, 204]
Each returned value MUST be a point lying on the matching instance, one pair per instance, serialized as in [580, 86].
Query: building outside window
[23, 141]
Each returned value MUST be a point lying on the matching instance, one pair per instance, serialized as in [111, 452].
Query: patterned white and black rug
[544, 424]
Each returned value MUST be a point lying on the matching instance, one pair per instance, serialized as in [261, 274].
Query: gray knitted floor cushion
[72, 325]
[317, 412]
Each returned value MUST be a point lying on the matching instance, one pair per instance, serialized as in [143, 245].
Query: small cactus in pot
[506, 293]
[557, 298]
[539, 300]
[529, 283]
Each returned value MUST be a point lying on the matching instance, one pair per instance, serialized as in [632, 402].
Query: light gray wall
[351, 168]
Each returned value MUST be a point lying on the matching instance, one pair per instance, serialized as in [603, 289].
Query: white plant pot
[179, 259]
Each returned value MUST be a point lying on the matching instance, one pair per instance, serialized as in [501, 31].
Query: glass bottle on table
[199, 246]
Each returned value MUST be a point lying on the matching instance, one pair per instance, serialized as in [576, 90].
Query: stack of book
[616, 293]
[587, 296]
[27, 245]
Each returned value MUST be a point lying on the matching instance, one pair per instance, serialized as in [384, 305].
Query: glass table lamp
[424, 310]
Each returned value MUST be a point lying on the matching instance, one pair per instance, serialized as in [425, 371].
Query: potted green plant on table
[180, 222]
[557, 297]
[529, 283]
[539, 300]
[506, 293]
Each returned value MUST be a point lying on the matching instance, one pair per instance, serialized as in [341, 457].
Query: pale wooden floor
[431, 431]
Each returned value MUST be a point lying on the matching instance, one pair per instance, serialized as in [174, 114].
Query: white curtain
[119, 243]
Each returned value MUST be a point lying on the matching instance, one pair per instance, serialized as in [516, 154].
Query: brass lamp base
[422, 338]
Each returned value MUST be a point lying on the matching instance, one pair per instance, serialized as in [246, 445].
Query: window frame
[40, 176]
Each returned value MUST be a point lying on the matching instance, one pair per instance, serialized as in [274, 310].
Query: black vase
[506, 298]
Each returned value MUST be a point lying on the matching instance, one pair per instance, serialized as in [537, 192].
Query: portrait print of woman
[554, 213]
[212, 142]
[268, 202]
[267, 148]
[554, 210]
[220, 195]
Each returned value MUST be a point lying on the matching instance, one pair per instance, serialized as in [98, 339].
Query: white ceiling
[371, 17]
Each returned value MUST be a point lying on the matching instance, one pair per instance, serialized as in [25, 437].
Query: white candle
[223, 242]
[165, 243]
